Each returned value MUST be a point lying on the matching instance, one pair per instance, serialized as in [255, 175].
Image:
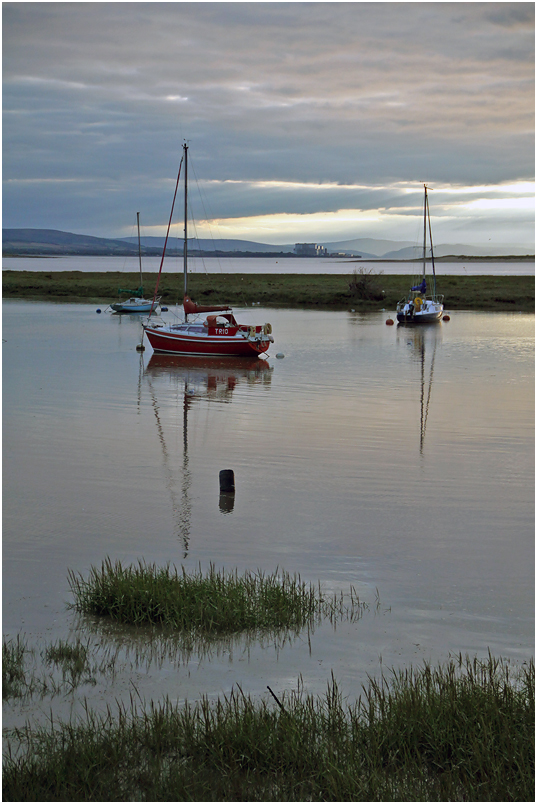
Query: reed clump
[460, 732]
[211, 603]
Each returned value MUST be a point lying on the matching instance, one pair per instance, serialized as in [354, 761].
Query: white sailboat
[419, 307]
[136, 303]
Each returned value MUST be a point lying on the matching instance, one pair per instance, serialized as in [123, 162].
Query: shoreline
[330, 291]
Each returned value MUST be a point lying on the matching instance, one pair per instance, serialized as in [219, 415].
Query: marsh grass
[22, 678]
[14, 678]
[460, 732]
[212, 603]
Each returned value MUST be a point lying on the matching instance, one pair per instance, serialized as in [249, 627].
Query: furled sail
[191, 307]
[422, 288]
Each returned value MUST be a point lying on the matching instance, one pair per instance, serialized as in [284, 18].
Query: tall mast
[425, 232]
[139, 249]
[431, 242]
[185, 151]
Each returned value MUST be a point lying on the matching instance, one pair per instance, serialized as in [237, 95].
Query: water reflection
[193, 379]
[424, 339]
[144, 647]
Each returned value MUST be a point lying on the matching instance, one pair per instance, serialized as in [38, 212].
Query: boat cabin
[222, 324]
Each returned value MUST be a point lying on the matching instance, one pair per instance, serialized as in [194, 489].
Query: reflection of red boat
[209, 377]
[213, 379]
[214, 335]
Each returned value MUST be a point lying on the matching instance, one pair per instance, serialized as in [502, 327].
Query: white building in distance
[310, 250]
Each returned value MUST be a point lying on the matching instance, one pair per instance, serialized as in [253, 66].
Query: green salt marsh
[463, 731]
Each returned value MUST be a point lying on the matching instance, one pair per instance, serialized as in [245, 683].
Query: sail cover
[421, 288]
[191, 307]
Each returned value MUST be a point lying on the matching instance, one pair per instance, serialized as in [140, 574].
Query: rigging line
[166, 240]
[206, 217]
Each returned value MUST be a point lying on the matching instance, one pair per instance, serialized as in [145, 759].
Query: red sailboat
[218, 334]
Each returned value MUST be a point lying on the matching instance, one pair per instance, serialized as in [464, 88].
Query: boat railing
[436, 298]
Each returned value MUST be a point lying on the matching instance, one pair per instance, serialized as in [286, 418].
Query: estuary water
[267, 265]
[400, 461]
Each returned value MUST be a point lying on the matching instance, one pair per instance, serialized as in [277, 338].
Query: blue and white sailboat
[136, 303]
[419, 307]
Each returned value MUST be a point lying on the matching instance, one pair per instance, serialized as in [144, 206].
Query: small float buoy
[389, 322]
[446, 318]
[140, 347]
[98, 310]
[280, 355]
[227, 481]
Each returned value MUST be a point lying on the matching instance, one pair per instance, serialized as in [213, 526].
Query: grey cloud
[308, 92]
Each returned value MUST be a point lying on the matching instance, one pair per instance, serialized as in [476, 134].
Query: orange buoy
[389, 322]
[446, 318]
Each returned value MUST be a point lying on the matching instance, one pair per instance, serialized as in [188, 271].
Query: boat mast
[432, 252]
[425, 232]
[185, 151]
[139, 251]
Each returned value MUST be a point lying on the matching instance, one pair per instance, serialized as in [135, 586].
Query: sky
[306, 122]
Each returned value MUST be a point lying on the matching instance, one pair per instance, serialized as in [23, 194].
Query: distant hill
[457, 249]
[51, 242]
[407, 250]
[366, 246]
[213, 245]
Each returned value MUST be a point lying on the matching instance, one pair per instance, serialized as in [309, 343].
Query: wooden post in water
[227, 491]
[227, 481]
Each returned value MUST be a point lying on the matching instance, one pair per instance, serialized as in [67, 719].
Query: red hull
[182, 344]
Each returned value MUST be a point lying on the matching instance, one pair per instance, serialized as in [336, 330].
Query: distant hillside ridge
[56, 243]
[52, 242]
[206, 244]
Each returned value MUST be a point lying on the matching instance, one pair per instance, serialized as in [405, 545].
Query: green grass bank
[464, 731]
[500, 293]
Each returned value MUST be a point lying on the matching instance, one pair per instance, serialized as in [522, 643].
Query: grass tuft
[214, 603]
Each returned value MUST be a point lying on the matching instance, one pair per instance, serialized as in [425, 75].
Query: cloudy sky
[305, 121]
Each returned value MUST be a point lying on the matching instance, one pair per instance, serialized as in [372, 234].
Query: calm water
[264, 265]
[401, 461]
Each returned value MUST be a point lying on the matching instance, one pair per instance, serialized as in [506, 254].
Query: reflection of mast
[418, 336]
[182, 510]
[425, 402]
[212, 379]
